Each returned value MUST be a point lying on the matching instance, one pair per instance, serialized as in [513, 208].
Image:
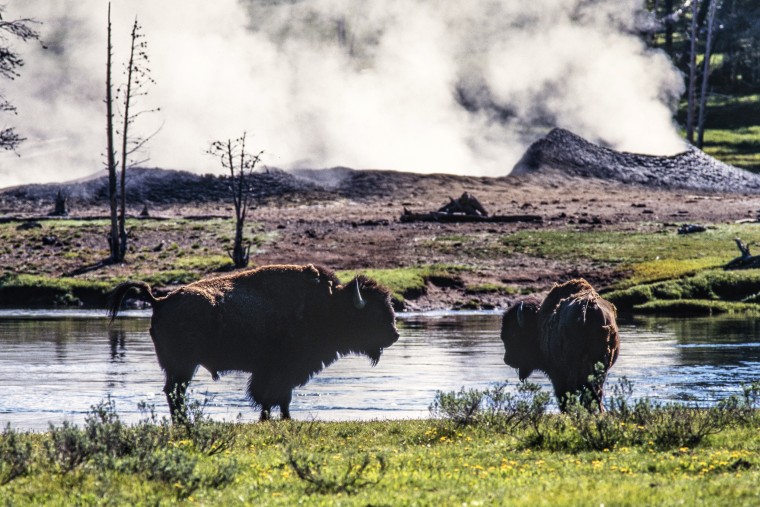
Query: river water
[54, 365]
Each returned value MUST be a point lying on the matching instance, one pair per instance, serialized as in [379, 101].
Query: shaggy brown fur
[566, 336]
[280, 323]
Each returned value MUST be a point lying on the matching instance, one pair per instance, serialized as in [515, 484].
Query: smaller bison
[568, 336]
[282, 324]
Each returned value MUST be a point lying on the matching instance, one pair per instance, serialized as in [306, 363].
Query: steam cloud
[415, 85]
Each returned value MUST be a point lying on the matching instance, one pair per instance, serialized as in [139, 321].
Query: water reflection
[55, 366]
[116, 337]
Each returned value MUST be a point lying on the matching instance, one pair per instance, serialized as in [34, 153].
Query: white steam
[415, 85]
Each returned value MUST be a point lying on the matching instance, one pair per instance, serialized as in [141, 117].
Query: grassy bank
[732, 134]
[507, 451]
[658, 271]
[651, 268]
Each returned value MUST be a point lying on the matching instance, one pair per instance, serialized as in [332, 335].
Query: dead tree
[113, 237]
[60, 208]
[467, 204]
[691, 98]
[10, 62]
[138, 79]
[746, 260]
[705, 75]
[240, 164]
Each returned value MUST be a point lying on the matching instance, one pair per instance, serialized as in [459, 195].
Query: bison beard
[282, 324]
[567, 336]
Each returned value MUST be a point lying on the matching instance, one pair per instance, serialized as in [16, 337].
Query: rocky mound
[566, 152]
[165, 187]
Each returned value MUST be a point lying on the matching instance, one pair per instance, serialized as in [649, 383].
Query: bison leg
[270, 394]
[266, 410]
[285, 406]
[176, 389]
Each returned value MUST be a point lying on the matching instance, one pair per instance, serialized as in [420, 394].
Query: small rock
[29, 225]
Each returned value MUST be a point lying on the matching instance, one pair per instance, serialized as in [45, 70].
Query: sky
[413, 85]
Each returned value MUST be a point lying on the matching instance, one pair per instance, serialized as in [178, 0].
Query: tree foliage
[235, 158]
[10, 65]
[735, 42]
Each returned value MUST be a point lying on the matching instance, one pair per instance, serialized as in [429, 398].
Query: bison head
[364, 317]
[519, 332]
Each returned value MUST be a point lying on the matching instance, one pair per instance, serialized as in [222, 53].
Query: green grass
[660, 272]
[710, 286]
[626, 248]
[696, 307]
[491, 288]
[487, 461]
[161, 252]
[732, 130]
[42, 290]
[739, 147]
[641, 256]
[205, 263]
[404, 281]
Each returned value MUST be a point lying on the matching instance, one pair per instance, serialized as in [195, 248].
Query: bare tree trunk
[239, 197]
[113, 240]
[124, 150]
[669, 28]
[228, 153]
[705, 76]
[691, 105]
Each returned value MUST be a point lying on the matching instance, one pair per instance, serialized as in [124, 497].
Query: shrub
[597, 431]
[676, 425]
[498, 408]
[150, 433]
[175, 467]
[15, 456]
[68, 447]
[106, 434]
[461, 407]
[343, 475]
[327, 475]
[209, 437]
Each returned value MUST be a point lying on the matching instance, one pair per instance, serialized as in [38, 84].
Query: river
[55, 365]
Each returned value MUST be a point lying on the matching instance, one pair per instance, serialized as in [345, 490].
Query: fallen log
[746, 260]
[436, 216]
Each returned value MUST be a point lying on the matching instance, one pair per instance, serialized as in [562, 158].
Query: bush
[174, 467]
[15, 456]
[677, 425]
[342, 475]
[461, 407]
[106, 434]
[209, 437]
[68, 447]
[496, 407]
[150, 433]
[327, 475]
[597, 431]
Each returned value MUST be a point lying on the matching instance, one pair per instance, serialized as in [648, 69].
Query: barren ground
[357, 227]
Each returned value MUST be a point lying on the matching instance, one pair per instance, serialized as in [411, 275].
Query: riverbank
[620, 237]
[636, 454]
[614, 222]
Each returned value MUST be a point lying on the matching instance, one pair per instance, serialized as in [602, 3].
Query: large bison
[280, 323]
[566, 336]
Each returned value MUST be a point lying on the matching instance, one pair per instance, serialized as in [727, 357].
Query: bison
[281, 323]
[567, 336]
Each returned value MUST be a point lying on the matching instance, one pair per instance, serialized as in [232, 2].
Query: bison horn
[359, 303]
[520, 319]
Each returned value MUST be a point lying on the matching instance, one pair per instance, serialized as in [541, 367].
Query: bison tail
[117, 296]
